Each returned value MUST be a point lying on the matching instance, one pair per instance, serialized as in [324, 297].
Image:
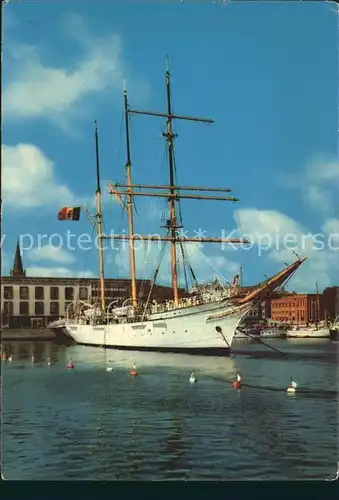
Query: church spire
[18, 269]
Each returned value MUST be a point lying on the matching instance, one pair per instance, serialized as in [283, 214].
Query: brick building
[34, 302]
[298, 308]
[331, 302]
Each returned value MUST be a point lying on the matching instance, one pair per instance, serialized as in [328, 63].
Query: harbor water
[90, 424]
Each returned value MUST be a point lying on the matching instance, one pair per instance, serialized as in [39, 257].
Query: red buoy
[4, 355]
[133, 372]
[236, 384]
[69, 365]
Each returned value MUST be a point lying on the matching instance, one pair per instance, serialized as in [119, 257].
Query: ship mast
[172, 223]
[99, 220]
[130, 206]
[172, 193]
[318, 304]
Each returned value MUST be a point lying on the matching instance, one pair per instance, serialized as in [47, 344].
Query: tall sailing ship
[203, 323]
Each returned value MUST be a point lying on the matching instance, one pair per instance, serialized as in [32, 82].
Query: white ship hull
[308, 333]
[203, 329]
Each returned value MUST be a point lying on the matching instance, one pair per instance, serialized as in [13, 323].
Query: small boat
[247, 333]
[308, 332]
[272, 333]
[265, 332]
[317, 330]
[59, 329]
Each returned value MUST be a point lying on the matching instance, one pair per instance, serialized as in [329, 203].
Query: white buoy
[49, 362]
[109, 369]
[10, 358]
[192, 378]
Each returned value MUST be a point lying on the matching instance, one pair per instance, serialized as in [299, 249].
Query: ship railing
[186, 302]
[108, 309]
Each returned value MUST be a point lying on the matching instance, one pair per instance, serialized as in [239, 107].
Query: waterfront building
[331, 302]
[298, 308]
[33, 302]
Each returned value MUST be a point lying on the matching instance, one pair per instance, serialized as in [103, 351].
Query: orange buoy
[133, 372]
[70, 365]
[236, 384]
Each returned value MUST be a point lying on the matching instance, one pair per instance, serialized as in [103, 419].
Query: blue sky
[267, 73]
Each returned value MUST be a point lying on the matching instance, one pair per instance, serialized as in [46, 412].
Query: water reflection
[133, 446]
[90, 424]
[25, 351]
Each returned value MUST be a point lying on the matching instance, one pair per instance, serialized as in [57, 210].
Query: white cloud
[42, 90]
[331, 226]
[29, 180]
[51, 253]
[280, 235]
[58, 272]
[318, 184]
[256, 223]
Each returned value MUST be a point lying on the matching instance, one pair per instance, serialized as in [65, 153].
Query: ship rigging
[202, 324]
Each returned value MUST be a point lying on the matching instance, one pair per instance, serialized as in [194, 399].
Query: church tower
[18, 270]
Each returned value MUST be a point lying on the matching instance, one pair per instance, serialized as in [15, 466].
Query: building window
[24, 309]
[39, 308]
[24, 292]
[54, 308]
[54, 293]
[8, 308]
[39, 293]
[83, 293]
[69, 294]
[8, 292]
